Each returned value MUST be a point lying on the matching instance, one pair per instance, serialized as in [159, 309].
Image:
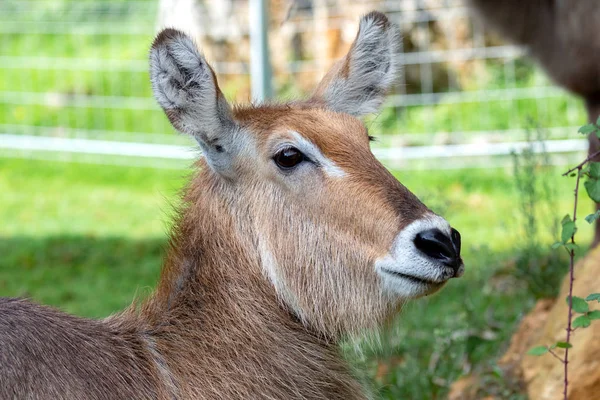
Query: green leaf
[594, 169]
[579, 305]
[538, 351]
[598, 121]
[593, 315]
[581, 322]
[586, 129]
[592, 186]
[556, 245]
[565, 219]
[571, 246]
[592, 217]
[593, 296]
[563, 345]
[568, 230]
[585, 169]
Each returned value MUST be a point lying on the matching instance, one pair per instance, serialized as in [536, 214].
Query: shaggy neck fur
[215, 320]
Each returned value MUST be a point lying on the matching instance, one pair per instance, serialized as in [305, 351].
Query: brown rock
[528, 333]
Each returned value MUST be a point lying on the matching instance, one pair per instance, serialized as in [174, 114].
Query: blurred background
[90, 166]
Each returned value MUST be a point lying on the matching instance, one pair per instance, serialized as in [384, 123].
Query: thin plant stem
[571, 251]
[581, 164]
[565, 361]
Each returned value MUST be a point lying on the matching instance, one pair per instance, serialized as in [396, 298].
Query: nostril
[455, 236]
[435, 244]
[439, 246]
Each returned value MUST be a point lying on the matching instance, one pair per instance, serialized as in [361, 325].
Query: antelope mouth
[409, 285]
[412, 278]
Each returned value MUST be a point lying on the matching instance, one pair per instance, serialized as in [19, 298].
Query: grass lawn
[87, 238]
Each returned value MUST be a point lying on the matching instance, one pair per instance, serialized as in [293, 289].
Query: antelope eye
[288, 158]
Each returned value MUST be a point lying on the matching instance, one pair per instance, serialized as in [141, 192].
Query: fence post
[260, 65]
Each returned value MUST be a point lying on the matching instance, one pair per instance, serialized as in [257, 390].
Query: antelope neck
[215, 314]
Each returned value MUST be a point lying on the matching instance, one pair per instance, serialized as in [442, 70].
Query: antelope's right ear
[186, 88]
[357, 84]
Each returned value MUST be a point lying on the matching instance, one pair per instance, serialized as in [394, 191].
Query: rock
[525, 337]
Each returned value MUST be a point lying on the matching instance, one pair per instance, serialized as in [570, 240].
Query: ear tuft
[377, 18]
[358, 83]
[167, 35]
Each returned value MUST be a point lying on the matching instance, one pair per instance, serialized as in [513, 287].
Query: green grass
[88, 238]
[82, 237]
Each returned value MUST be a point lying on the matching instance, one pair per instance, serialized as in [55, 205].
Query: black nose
[439, 246]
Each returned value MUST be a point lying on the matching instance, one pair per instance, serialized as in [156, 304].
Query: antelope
[291, 237]
[561, 35]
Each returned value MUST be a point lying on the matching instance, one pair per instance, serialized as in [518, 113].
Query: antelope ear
[357, 84]
[186, 88]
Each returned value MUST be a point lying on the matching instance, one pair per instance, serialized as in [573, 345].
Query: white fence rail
[390, 155]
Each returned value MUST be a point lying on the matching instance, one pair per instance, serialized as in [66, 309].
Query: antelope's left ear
[357, 84]
[186, 88]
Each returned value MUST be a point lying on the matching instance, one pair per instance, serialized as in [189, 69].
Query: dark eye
[288, 158]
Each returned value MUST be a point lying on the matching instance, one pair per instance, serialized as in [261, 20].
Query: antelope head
[341, 241]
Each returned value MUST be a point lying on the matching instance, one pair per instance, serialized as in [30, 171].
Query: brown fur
[562, 35]
[46, 354]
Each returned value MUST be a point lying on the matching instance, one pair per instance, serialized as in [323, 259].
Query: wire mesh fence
[78, 69]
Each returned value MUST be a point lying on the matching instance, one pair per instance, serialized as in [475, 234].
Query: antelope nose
[437, 245]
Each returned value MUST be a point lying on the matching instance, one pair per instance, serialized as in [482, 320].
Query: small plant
[577, 305]
[540, 271]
